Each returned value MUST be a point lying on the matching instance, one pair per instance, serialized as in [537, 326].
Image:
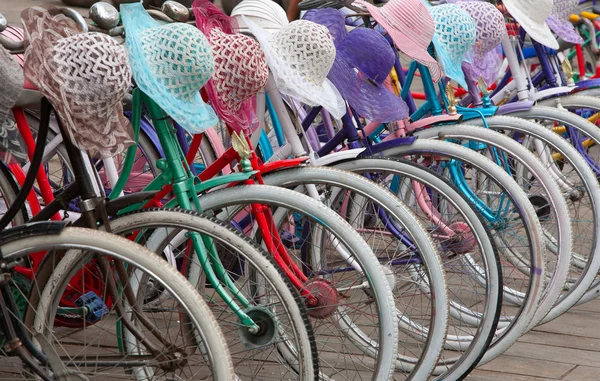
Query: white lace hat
[532, 15]
[266, 13]
[300, 56]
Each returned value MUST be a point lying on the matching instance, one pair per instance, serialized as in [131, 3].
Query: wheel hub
[327, 298]
[464, 240]
[541, 205]
[267, 328]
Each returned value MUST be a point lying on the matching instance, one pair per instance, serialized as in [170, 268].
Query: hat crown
[412, 18]
[306, 47]
[241, 69]
[376, 62]
[562, 9]
[536, 11]
[332, 19]
[489, 23]
[180, 58]
[455, 30]
[92, 68]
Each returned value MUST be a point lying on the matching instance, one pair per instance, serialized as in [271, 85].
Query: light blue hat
[170, 63]
[455, 34]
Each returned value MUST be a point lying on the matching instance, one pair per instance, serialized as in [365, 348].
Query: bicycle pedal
[97, 309]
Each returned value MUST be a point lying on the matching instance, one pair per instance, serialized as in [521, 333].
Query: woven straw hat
[241, 69]
[491, 30]
[84, 76]
[559, 20]
[489, 24]
[11, 77]
[411, 27]
[359, 73]
[532, 15]
[12, 148]
[170, 63]
[455, 34]
[300, 56]
[266, 13]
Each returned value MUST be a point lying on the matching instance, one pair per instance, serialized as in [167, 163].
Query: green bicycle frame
[176, 172]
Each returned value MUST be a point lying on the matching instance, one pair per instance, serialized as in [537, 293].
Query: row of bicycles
[368, 193]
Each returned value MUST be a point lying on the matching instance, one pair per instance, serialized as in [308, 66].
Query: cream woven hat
[12, 148]
[84, 75]
[532, 15]
[300, 56]
[266, 13]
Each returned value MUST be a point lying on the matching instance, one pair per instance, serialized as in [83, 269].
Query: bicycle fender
[114, 207]
[224, 179]
[337, 157]
[282, 164]
[31, 229]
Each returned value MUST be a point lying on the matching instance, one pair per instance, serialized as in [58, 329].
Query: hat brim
[452, 68]
[307, 92]
[565, 30]
[405, 44]
[193, 115]
[105, 140]
[540, 33]
[370, 100]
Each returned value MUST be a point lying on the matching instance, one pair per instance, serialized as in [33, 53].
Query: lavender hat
[359, 73]
[559, 20]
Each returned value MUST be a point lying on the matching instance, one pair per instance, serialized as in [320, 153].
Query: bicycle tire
[76, 239]
[522, 319]
[250, 253]
[592, 190]
[382, 297]
[492, 301]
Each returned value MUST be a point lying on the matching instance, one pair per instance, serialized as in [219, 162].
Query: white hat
[300, 56]
[266, 13]
[532, 15]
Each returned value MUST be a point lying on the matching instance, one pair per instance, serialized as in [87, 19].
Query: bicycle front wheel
[178, 339]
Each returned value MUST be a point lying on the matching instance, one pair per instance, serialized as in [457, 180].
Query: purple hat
[559, 20]
[359, 73]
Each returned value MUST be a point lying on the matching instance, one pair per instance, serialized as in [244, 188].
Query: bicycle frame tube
[183, 181]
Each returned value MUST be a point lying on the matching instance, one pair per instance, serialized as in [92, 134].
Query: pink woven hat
[241, 69]
[411, 27]
[84, 75]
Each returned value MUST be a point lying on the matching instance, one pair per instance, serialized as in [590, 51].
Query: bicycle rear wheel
[285, 346]
[516, 228]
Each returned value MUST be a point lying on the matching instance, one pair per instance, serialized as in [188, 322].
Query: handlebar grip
[590, 15]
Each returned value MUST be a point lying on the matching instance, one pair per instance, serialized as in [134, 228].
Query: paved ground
[565, 349]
